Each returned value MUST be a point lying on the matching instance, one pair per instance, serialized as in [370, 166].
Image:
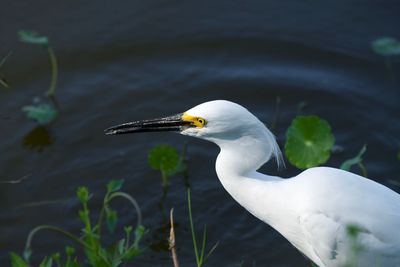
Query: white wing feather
[336, 199]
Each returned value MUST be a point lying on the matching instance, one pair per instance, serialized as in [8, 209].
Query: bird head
[218, 121]
[218, 118]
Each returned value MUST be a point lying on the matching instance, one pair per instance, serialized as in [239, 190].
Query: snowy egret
[312, 210]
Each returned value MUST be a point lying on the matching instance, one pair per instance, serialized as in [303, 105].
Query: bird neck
[236, 167]
[244, 155]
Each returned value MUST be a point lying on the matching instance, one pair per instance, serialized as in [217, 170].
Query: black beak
[170, 123]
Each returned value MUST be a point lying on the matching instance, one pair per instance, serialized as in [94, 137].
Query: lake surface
[130, 60]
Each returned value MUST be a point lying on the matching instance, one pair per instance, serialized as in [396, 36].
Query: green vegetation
[163, 158]
[90, 240]
[387, 47]
[309, 141]
[166, 159]
[357, 160]
[34, 38]
[41, 112]
[200, 258]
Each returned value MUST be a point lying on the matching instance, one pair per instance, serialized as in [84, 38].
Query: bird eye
[201, 121]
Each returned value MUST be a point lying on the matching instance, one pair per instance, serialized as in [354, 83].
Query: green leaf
[111, 218]
[56, 256]
[47, 262]
[69, 250]
[128, 229]
[17, 261]
[121, 246]
[42, 113]
[31, 37]
[84, 216]
[131, 253]
[354, 161]
[386, 46]
[114, 185]
[140, 231]
[83, 194]
[309, 140]
[164, 158]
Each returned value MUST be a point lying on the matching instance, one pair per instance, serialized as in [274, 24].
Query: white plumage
[312, 210]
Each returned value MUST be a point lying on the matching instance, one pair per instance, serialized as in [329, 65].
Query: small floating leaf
[386, 46]
[357, 160]
[42, 113]
[31, 37]
[309, 140]
[164, 158]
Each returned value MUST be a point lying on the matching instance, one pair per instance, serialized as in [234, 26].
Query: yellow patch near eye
[198, 121]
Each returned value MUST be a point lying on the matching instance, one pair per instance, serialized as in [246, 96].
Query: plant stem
[54, 72]
[171, 239]
[132, 201]
[65, 233]
[192, 230]
[363, 169]
[101, 216]
[55, 229]
[164, 177]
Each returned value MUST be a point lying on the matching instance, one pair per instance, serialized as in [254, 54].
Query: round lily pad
[164, 158]
[309, 141]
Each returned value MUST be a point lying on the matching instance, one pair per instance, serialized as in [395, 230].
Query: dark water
[128, 60]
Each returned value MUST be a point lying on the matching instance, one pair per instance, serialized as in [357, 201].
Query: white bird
[312, 210]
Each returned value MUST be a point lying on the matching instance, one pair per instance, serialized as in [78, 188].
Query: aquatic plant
[31, 37]
[171, 239]
[41, 112]
[387, 47]
[309, 141]
[200, 257]
[120, 252]
[166, 159]
[357, 160]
